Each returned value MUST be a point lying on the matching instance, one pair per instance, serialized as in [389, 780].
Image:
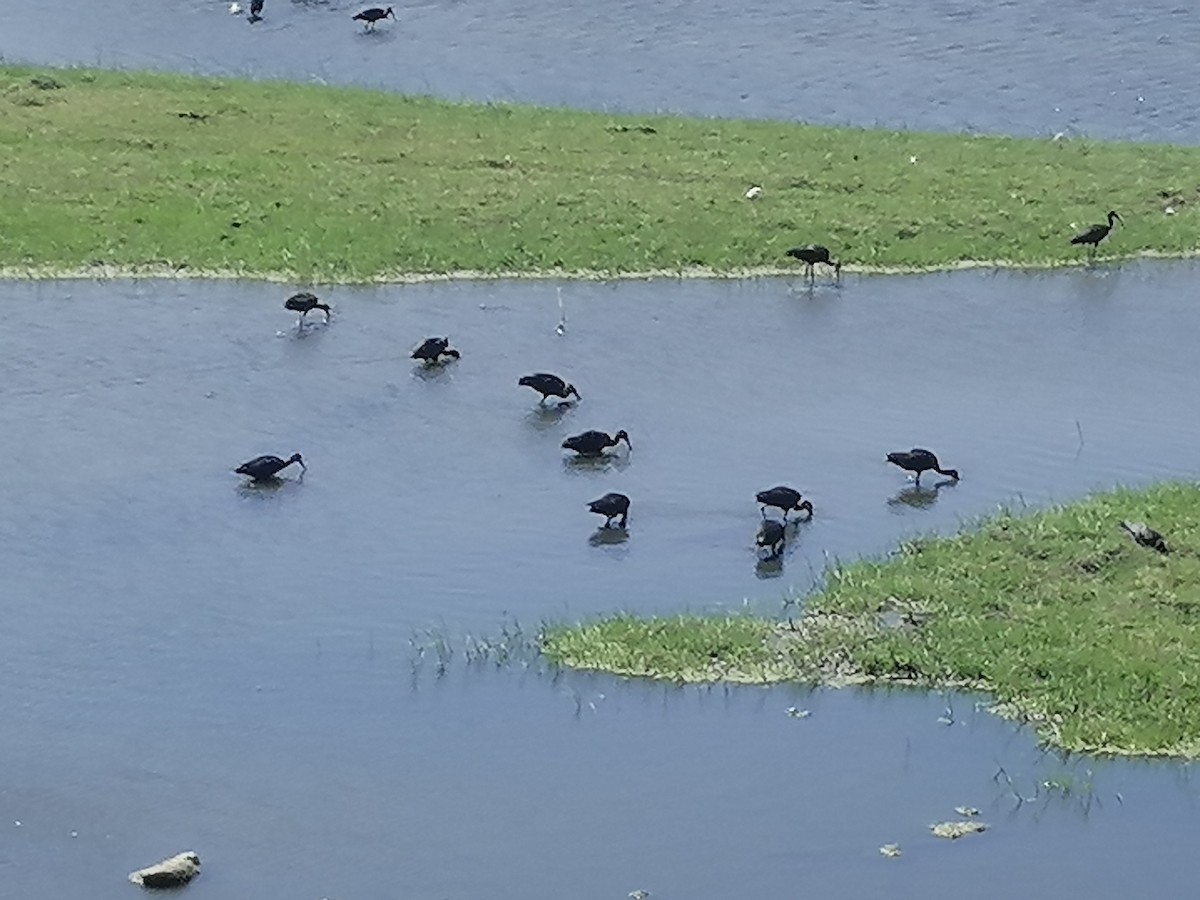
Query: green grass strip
[100, 171]
[1068, 623]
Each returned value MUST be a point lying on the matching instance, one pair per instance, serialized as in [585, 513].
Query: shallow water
[1105, 68]
[188, 663]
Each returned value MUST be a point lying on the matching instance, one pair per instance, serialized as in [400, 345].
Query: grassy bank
[127, 171]
[1067, 622]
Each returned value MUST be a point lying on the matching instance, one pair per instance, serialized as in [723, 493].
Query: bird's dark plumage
[304, 303]
[264, 468]
[373, 15]
[256, 8]
[434, 349]
[783, 498]
[771, 537]
[594, 443]
[1094, 234]
[549, 386]
[1146, 536]
[812, 254]
[610, 506]
[918, 460]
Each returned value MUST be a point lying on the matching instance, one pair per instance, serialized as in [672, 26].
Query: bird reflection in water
[919, 496]
[603, 536]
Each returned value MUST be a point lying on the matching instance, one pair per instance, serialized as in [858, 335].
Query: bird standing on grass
[594, 443]
[785, 499]
[610, 506]
[264, 468]
[370, 16]
[918, 460]
[432, 351]
[304, 303]
[549, 386]
[1146, 536]
[812, 254]
[1094, 234]
[772, 536]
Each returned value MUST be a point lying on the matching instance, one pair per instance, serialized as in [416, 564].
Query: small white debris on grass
[179, 869]
[891, 851]
[754, 193]
[954, 830]
[913, 160]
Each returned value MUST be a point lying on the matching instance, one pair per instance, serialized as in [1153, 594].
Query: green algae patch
[131, 173]
[1059, 615]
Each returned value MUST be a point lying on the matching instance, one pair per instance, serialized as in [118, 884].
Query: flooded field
[188, 663]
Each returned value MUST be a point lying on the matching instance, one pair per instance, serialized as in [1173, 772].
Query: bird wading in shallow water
[432, 351]
[370, 16]
[264, 468]
[594, 443]
[783, 498]
[772, 537]
[1094, 234]
[549, 386]
[1146, 536]
[610, 506]
[256, 8]
[918, 460]
[304, 303]
[812, 254]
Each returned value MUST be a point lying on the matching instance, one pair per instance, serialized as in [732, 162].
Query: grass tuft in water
[1068, 623]
[118, 171]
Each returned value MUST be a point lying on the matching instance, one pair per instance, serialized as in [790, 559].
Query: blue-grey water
[1102, 68]
[185, 663]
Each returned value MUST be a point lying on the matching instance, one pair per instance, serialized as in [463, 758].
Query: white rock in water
[179, 869]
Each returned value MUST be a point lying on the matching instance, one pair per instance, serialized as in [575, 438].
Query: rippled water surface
[188, 663]
[1104, 68]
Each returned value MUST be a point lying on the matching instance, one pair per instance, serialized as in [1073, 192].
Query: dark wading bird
[304, 303]
[610, 506]
[256, 7]
[1146, 536]
[370, 16]
[432, 351]
[594, 443]
[772, 536]
[549, 386]
[1094, 234]
[813, 254]
[264, 468]
[785, 499]
[918, 460]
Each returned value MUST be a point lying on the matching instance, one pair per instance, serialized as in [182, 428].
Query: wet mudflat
[188, 664]
[1105, 69]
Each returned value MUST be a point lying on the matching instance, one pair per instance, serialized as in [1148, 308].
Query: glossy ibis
[256, 8]
[812, 254]
[1146, 536]
[918, 460]
[783, 498]
[594, 443]
[549, 386]
[432, 351]
[610, 506]
[772, 535]
[304, 303]
[264, 468]
[370, 16]
[1094, 234]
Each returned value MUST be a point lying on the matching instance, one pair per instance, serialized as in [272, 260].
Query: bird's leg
[624, 519]
[763, 510]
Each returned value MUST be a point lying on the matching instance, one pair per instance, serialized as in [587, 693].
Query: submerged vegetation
[109, 171]
[1068, 622]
